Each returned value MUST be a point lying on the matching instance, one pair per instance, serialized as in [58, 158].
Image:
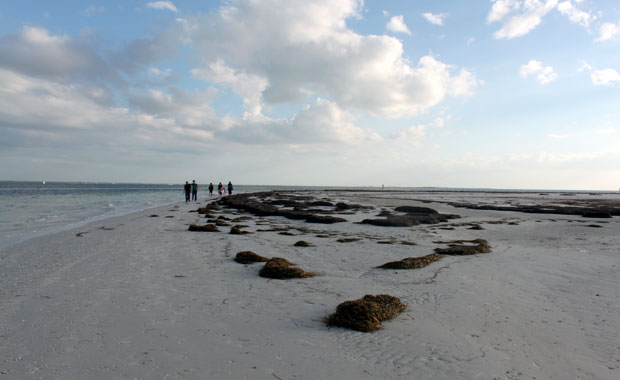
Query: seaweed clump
[464, 247]
[303, 243]
[282, 269]
[412, 262]
[237, 230]
[249, 257]
[367, 313]
[205, 228]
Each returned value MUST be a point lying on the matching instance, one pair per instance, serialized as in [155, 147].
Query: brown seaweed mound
[282, 269]
[206, 227]
[237, 230]
[218, 222]
[249, 257]
[412, 262]
[367, 313]
[303, 243]
[464, 247]
[348, 240]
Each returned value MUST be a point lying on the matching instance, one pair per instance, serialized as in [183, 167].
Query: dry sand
[141, 297]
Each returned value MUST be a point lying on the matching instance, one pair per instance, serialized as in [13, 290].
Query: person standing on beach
[210, 189]
[188, 190]
[194, 190]
[220, 188]
[230, 188]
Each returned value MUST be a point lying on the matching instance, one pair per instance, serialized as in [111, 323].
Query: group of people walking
[191, 190]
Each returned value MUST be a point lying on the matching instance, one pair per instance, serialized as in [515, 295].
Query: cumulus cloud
[36, 53]
[250, 87]
[163, 5]
[265, 52]
[436, 19]
[604, 77]
[397, 25]
[319, 123]
[315, 53]
[544, 74]
[609, 31]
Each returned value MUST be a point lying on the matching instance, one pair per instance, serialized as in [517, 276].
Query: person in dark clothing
[230, 188]
[194, 190]
[220, 189]
[188, 190]
[211, 189]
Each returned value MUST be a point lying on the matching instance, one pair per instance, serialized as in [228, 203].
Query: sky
[512, 94]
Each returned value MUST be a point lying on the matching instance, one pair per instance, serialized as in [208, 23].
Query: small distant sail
[44, 182]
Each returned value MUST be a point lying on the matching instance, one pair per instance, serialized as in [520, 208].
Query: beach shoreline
[140, 296]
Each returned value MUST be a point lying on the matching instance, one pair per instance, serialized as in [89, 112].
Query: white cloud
[397, 25]
[315, 53]
[501, 8]
[529, 14]
[519, 17]
[604, 77]
[412, 135]
[323, 122]
[575, 14]
[609, 31]
[250, 87]
[164, 5]
[436, 19]
[37, 53]
[585, 66]
[544, 74]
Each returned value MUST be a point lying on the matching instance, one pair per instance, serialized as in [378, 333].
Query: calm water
[30, 209]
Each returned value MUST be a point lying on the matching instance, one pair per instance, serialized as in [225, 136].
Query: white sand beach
[141, 297]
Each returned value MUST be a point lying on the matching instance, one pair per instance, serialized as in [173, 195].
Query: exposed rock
[408, 220]
[260, 204]
[596, 214]
[324, 219]
[464, 247]
[348, 240]
[321, 203]
[303, 243]
[412, 262]
[367, 313]
[415, 210]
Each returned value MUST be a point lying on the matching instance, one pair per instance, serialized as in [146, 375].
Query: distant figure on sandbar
[230, 188]
[188, 190]
[210, 189]
[194, 190]
[220, 189]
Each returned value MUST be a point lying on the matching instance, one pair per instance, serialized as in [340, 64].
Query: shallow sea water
[31, 209]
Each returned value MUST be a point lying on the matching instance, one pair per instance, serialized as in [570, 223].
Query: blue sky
[502, 94]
